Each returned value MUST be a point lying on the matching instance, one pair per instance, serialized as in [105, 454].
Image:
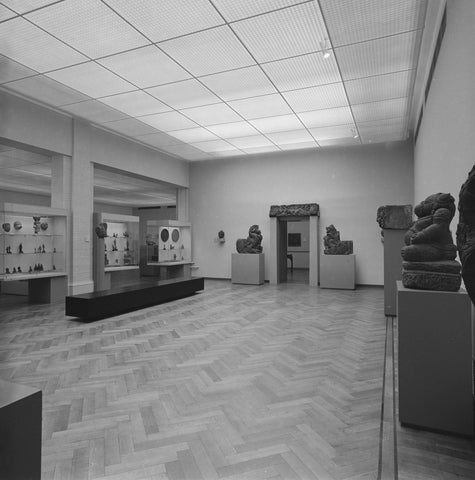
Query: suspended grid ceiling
[216, 78]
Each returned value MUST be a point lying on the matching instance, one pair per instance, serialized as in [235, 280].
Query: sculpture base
[441, 276]
[247, 268]
[337, 271]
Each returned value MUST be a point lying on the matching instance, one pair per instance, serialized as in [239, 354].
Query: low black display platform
[106, 303]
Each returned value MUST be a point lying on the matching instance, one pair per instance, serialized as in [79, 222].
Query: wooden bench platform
[106, 303]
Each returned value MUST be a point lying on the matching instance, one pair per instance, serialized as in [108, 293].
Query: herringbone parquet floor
[236, 382]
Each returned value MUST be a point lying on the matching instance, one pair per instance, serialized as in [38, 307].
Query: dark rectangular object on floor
[115, 301]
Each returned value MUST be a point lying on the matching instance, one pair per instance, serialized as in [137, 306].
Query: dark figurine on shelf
[106, 259]
[36, 224]
[54, 268]
[101, 230]
[14, 270]
[333, 244]
[9, 249]
[34, 250]
[20, 248]
[174, 256]
[114, 246]
[251, 244]
[43, 250]
[44, 226]
[7, 270]
[19, 270]
[116, 260]
[429, 255]
[127, 245]
[30, 270]
[126, 234]
[54, 250]
[6, 227]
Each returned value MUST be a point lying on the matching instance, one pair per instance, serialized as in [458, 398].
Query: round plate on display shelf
[164, 234]
[175, 234]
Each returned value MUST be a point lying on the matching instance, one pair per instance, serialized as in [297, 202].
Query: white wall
[444, 152]
[25, 198]
[349, 184]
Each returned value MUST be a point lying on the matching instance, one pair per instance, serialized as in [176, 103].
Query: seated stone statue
[251, 244]
[429, 255]
[333, 244]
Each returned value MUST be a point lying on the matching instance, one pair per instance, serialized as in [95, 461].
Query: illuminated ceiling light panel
[303, 71]
[212, 114]
[377, 57]
[47, 90]
[277, 124]
[10, 70]
[296, 136]
[317, 98]
[337, 131]
[94, 111]
[353, 22]
[130, 127]
[367, 112]
[135, 103]
[23, 42]
[89, 26]
[283, 33]
[23, 6]
[339, 141]
[249, 142]
[298, 146]
[232, 130]
[232, 10]
[240, 83]
[210, 51]
[215, 146]
[145, 67]
[379, 87]
[160, 20]
[168, 121]
[257, 107]
[185, 94]
[258, 150]
[158, 139]
[91, 79]
[192, 135]
[328, 117]
[6, 13]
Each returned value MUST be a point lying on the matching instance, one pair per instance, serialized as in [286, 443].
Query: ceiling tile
[23, 42]
[376, 57]
[158, 139]
[379, 87]
[352, 22]
[331, 116]
[317, 98]
[185, 94]
[228, 153]
[159, 20]
[47, 90]
[192, 135]
[130, 126]
[277, 124]
[94, 111]
[240, 83]
[383, 130]
[367, 112]
[212, 114]
[283, 33]
[250, 142]
[232, 10]
[303, 71]
[337, 131]
[89, 26]
[135, 103]
[145, 67]
[298, 146]
[232, 130]
[210, 51]
[10, 70]
[258, 107]
[264, 149]
[168, 121]
[215, 146]
[295, 136]
[23, 6]
[188, 152]
[91, 79]
[6, 13]
[340, 142]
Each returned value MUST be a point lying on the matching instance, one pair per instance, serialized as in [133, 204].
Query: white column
[272, 255]
[182, 204]
[314, 255]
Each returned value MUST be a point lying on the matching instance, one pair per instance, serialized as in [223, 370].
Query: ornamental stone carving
[395, 217]
[295, 210]
[466, 233]
[251, 244]
[333, 244]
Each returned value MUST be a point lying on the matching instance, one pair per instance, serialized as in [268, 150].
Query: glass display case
[32, 242]
[168, 242]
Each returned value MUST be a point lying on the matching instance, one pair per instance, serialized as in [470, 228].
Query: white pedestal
[435, 360]
[247, 268]
[337, 271]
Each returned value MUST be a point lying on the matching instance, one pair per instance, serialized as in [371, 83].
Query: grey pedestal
[247, 268]
[48, 290]
[337, 271]
[393, 242]
[435, 360]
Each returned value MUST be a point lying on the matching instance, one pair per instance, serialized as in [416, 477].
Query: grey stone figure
[101, 230]
[333, 244]
[466, 233]
[429, 255]
[251, 244]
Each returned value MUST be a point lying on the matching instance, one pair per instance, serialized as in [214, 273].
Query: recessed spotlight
[326, 48]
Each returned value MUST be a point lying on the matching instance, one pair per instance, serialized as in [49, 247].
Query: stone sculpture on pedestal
[466, 233]
[251, 244]
[333, 244]
[429, 255]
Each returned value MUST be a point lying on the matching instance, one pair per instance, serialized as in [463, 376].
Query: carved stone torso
[251, 244]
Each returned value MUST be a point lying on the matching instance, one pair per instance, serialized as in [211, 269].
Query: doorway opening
[297, 251]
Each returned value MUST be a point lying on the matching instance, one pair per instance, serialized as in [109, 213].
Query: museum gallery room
[237, 239]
